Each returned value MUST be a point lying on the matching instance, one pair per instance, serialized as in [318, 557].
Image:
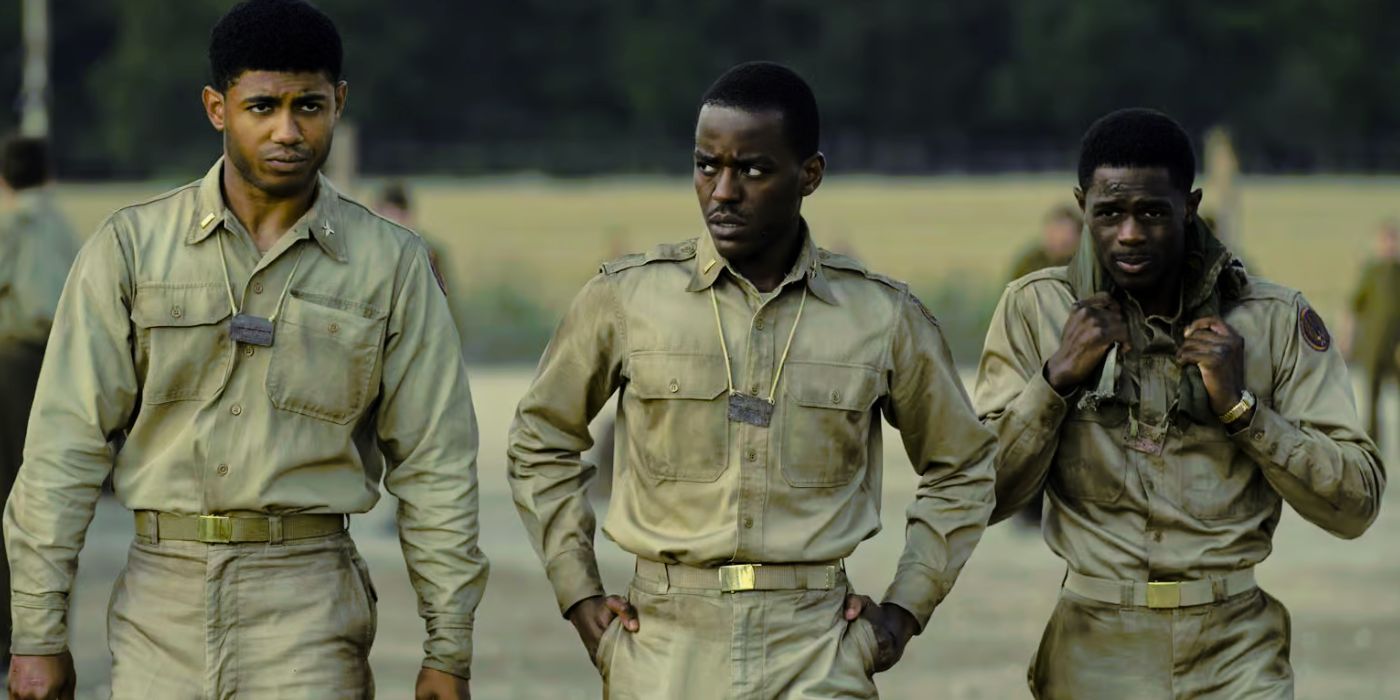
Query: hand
[42, 677]
[1214, 346]
[1092, 328]
[893, 626]
[591, 617]
[437, 685]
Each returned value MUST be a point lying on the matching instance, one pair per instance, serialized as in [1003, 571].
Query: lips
[286, 163]
[1133, 264]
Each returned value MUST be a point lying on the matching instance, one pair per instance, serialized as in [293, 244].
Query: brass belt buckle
[1163, 594]
[737, 577]
[215, 529]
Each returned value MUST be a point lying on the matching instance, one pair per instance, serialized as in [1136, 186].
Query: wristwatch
[1247, 402]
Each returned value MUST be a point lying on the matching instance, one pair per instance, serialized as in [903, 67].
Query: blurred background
[530, 140]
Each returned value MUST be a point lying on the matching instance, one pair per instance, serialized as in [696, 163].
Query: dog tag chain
[247, 328]
[744, 408]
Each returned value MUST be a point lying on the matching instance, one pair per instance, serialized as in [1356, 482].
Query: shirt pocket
[324, 358]
[1218, 482]
[826, 423]
[183, 339]
[681, 425]
[1090, 461]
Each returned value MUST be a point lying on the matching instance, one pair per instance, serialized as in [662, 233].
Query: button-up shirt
[365, 362]
[696, 488]
[1199, 501]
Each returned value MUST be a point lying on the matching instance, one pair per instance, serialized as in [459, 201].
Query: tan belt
[229, 529]
[744, 577]
[1161, 594]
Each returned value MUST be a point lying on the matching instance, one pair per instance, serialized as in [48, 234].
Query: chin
[286, 185]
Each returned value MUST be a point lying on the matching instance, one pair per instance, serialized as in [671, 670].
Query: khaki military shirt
[695, 488]
[1209, 502]
[37, 246]
[365, 361]
[1376, 304]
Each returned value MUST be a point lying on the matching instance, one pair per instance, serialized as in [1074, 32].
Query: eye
[1155, 214]
[754, 171]
[1107, 213]
[705, 168]
[261, 108]
[311, 108]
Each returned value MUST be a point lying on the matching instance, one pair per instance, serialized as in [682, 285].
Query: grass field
[548, 236]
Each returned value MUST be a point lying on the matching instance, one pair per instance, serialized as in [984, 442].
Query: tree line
[611, 86]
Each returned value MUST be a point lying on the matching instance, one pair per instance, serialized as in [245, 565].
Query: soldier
[36, 249]
[1059, 236]
[260, 338]
[1376, 310]
[1172, 403]
[753, 369]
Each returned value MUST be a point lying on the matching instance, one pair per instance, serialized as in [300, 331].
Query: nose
[1130, 232]
[727, 187]
[286, 131]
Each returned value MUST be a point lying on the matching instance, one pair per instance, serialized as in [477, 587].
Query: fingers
[857, 604]
[623, 609]
[1214, 324]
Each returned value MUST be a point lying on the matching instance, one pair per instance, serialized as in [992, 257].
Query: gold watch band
[1238, 410]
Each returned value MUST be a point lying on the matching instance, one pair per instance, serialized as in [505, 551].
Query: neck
[266, 217]
[767, 268]
[1163, 299]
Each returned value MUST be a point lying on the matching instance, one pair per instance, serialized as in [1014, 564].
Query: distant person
[1059, 238]
[1375, 308]
[260, 338]
[754, 368]
[37, 246]
[1169, 403]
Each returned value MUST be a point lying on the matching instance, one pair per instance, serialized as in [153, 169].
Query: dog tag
[750, 409]
[251, 330]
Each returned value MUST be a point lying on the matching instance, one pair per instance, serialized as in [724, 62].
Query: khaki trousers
[699, 644]
[192, 621]
[1236, 649]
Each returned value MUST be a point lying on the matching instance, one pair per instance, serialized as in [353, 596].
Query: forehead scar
[1115, 187]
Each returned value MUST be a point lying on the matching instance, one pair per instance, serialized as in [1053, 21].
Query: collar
[709, 264]
[318, 223]
[1208, 264]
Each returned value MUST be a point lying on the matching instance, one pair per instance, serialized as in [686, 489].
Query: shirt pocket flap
[843, 387]
[179, 306]
[677, 376]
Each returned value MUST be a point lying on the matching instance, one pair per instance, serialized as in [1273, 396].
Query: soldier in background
[37, 246]
[1375, 345]
[1059, 237]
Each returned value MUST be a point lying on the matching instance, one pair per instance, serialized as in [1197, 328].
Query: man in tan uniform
[1375, 307]
[1171, 403]
[36, 249]
[753, 369]
[1059, 237]
[260, 339]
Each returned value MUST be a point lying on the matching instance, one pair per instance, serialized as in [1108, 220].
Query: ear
[342, 89]
[214, 106]
[1193, 202]
[812, 171]
[1079, 197]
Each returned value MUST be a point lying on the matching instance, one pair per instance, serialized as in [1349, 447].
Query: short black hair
[24, 162]
[760, 86]
[1138, 137]
[273, 35]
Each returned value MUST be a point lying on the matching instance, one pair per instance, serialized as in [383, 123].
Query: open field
[548, 236]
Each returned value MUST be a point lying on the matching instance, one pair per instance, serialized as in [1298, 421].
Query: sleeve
[951, 452]
[1017, 403]
[427, 432]
[1310, 443]
[580, 370]
[86, 393]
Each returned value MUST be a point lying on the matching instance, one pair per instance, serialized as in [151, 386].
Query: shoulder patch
[672, 252]
[1313, 330]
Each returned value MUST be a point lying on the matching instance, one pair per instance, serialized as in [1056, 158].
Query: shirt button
[754, 390]
[758, 323]
[748, 523]
[236, 409]
[1156, 535]
[222, 470]
[248, 351]
[333, 328]
[1258, 435]
[675, 386]
[836, 397]
[752, 454]
[176, 311]
[257, 287]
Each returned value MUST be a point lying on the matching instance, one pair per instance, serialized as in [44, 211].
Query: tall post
[34, 89]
